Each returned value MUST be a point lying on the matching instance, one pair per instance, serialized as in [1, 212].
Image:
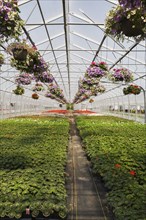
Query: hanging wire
[31, 13]
[106, 52]
[114, 46]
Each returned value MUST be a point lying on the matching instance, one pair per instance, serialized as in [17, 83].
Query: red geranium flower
[93, 63]
[27, 211]
[132, 172]
[34, 47]
[117, 165]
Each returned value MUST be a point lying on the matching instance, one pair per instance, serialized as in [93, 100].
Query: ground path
[86, 193]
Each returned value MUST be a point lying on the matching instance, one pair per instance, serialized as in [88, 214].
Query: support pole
[144, 95]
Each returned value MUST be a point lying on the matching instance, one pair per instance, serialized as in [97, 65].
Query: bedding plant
[117, 150]
[32, 167]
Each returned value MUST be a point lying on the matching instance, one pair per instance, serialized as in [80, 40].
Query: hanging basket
[19, 90]
[19, 54]
[125, 91]
[1, 59]
[35, 96]
[132, 4]
[130, 29]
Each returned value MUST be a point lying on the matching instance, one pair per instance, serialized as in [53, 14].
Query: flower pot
[19, 54]
[125, 91]
[136, 91]
[35, 96]
[129, 30]
[18, 91]
[1, 62]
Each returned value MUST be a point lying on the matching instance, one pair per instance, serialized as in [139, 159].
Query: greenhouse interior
[73, 109]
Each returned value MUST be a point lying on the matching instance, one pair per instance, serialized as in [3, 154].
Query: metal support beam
[108, 48]
[41, 12]
[97, 52]
[123, 56]
[65, 14]
[144, 96]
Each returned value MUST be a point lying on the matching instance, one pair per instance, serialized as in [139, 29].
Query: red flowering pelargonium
[27, 211]
[132, 173]
[103, 65]
[117, 165]
[34, 47]
[93, 63]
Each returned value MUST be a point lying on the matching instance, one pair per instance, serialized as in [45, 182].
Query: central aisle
[84, 199]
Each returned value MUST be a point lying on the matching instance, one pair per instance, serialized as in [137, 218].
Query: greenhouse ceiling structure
[70, 34]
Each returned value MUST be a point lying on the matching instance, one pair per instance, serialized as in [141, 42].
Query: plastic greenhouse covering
[70, 35]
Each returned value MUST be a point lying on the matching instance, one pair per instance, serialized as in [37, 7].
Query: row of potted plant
[53, 96]
[116, 148]
[93, 75]
[32, 167]
[89, 85]
[55, 92]
[26, 58]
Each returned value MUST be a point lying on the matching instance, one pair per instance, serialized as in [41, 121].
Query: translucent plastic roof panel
[69, 34]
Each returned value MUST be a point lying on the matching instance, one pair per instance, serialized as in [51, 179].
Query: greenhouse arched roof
[70, 34]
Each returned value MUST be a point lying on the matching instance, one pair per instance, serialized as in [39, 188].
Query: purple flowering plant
[55, 90]
[89, 85]
[60, 99]
[89, 81]
[132, 3]
[49, 95]
[10, 21]
[95, 71]
[44, 77]
[38, 64]
[24, 79]
[82, 97]
[38, 87]
[121, 22]
[121, 74]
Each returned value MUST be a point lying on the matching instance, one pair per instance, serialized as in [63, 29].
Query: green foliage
[117, 148]
[32, 166]
[10, 21]
[1, 59]
[133, 20]
[70, 106]
[19, 90]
